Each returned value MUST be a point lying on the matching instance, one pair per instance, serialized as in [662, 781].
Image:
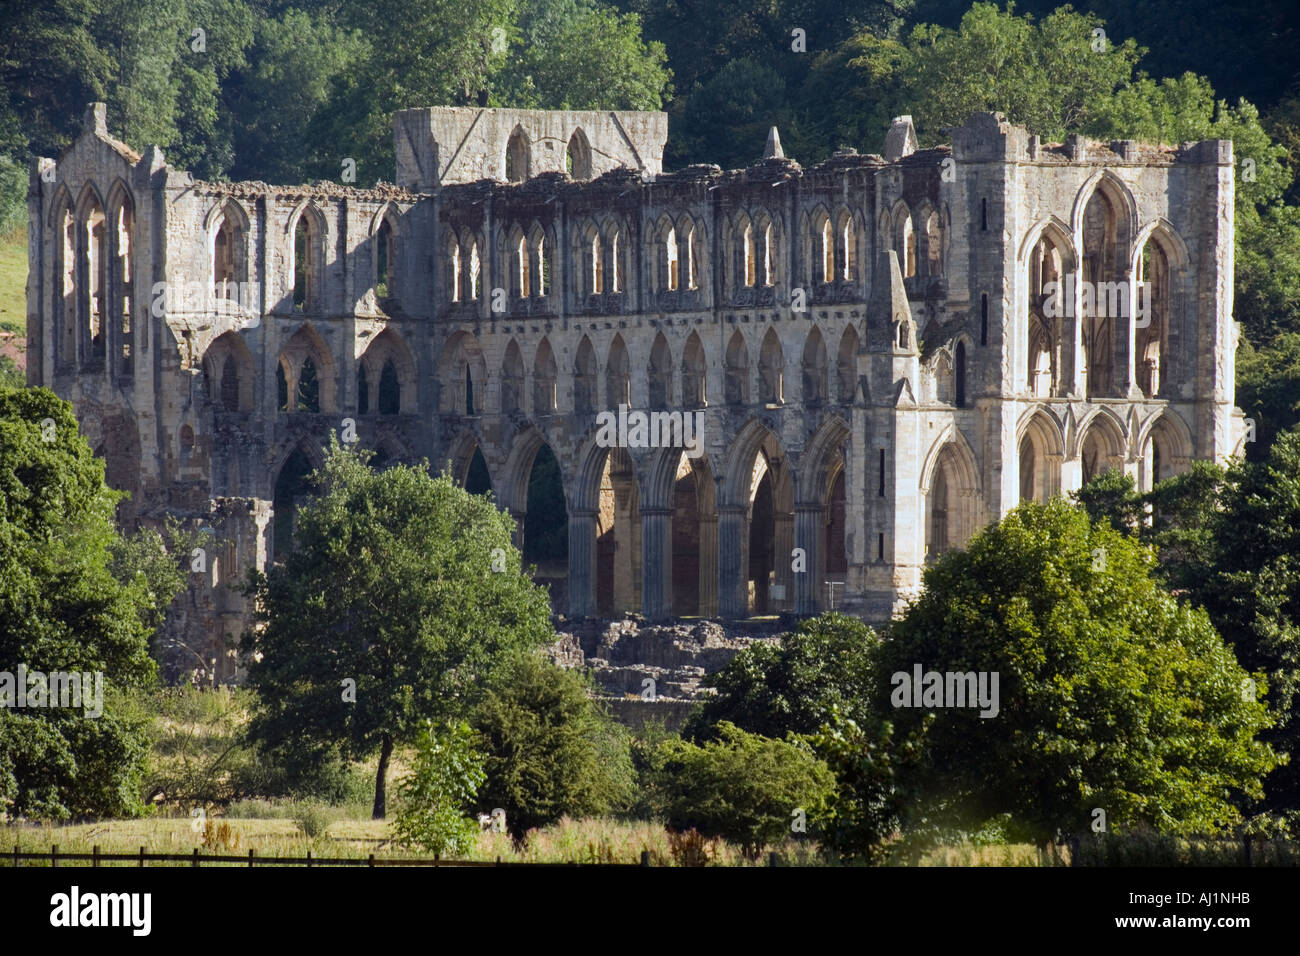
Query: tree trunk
[381, 779]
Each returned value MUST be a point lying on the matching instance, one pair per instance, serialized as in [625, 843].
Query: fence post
[54, 855]
[645, 857]
[196, 857]
[251, 851]
[15, 854]
[771, 859]
[372, 860]
[1245, 842]
[142, 858]
[94, 851]
[309, 859]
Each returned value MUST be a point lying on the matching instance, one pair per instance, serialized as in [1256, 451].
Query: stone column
[782, 549]
[733, 601]
[808, 521]
[582, 563]
[518, 537]
[708, 566]
[656, 563]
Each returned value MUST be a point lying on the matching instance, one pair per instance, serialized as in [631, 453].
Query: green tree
[792, 686]
[434, 798]
[391, 585]
[61, 609]
[1111, 496]
[550, 751]
[745, 788]
[1112, 694]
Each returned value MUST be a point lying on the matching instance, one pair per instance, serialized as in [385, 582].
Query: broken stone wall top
[442, 145]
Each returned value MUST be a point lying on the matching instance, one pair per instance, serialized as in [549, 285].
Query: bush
[549, 750]
[312, 819]
[434, 797]
[742, 787]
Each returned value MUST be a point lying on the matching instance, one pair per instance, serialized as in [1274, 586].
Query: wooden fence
[252, 859]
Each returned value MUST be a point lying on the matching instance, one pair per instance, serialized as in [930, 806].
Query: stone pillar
[733, 601]
[708, 566]
[808, 522]
[582, 563]
[656, 563]
[782, 548]
[1125, 341]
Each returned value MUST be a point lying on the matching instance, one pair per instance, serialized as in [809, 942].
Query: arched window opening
[523, 272]
[543, 270]
[692, 274]
[390, 390]
[827, 253]
[308, 397]
[384, 286]
[769, 257]
[693, 375]
[228, 263]
[123, 244]
[906, 246]
[849, 240]
[959, 375]
[453, 249]
[474, 270]
[670, 251]
[618, 262]
[577, 159]
[96, 240]
[302, 271]
[230, 384]
[517, 157]
[544, 375]
[363, 392]
[597, 277]
[748, 249]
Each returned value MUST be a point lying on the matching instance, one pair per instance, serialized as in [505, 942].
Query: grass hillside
[13, 303]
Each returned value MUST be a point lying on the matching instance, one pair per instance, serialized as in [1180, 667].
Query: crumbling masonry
[873, 343]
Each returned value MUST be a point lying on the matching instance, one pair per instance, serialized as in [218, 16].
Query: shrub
[549, 750]
[743, 787]
[312, 819]
[434, 797]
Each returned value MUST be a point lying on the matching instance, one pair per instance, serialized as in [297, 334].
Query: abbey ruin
[885, 352]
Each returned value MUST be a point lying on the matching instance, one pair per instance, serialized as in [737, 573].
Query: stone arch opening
[1157, 265]
[305, 374]
[1040, 450]
[618, 375]
[1166, 450]
[694, 374]
[950, 491]
[577, 157]
[293, 486]
[1105, 233]
[771, 365]
[545, 373]
[585, 378]
[814, 368]
[618, 536]
[230, 253]
[756, 527]
[462, 372]
[546, 525]
[1100, 449]
[309, 244]
[93, 277]
[1048, 270]
[518, 159]
[660, 374]
[228, 371]
[846, 366]
[121, 275]
[737, 370]
[512, 380]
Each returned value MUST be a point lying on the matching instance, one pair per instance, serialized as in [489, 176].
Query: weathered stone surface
[866, 342]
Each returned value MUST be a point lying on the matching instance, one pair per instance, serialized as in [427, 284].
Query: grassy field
[569, 841]
[13, 282]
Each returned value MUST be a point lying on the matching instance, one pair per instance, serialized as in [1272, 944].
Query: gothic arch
[307, 266]
[618, 375]
[694, 372]
[771, 369]
[1040, 446]
[814, 367]
[578, 155]
[586, 389]
[1099, 444]
[306, 345]
[1116, 190]
[737, 370]
[229, 371]
[545, 376]
[660, 374]
[389, 346]
[950, 489]
[518, 158]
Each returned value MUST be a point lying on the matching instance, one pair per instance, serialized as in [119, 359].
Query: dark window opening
[984, 319]
[881, 492]
[390, 390]
[308, 388]
[363, 392]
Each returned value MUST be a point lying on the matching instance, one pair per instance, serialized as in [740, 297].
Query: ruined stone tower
[883, 353]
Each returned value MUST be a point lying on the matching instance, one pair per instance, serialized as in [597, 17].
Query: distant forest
[288, 92]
